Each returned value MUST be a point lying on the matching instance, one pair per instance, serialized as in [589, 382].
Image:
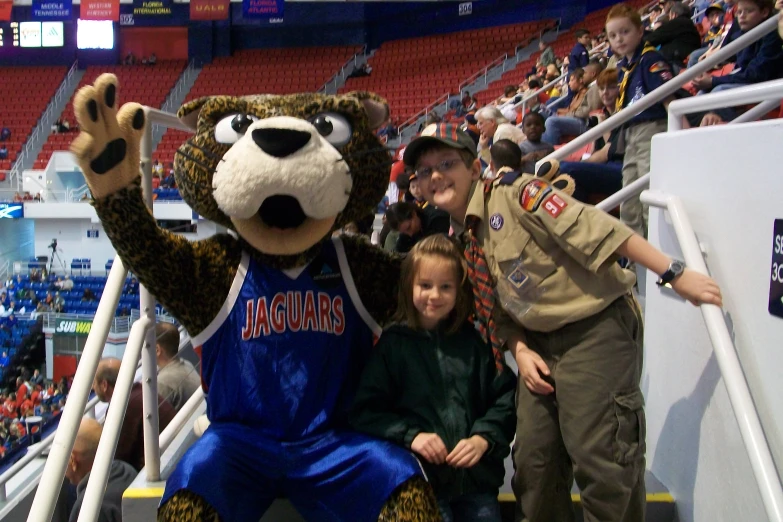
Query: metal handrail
[341, 74]
[665, 90]
[523, 102]
[760, 92]
[54, 469]
[736, 385]
[178, 422]
[99, 475]
[32, 454]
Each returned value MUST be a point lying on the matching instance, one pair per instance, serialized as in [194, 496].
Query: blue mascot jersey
[280, 364]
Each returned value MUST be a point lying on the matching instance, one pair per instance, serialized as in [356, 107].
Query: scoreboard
[31, 34]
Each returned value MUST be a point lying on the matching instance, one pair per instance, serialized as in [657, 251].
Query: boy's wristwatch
[675, 268]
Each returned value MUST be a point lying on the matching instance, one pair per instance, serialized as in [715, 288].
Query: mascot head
[283, 172]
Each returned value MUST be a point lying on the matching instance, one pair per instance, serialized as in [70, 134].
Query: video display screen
[94, 34]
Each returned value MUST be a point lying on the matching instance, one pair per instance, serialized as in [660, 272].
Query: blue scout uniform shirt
[644, 73]
[579, 57]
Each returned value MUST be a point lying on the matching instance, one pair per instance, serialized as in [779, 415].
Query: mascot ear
[189, 112]
[550, 171]
[376, 107]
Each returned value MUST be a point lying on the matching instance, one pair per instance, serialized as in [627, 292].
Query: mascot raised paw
[285, 315]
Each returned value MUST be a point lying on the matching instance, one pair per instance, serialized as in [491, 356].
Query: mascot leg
[185, 506]
[413, 501]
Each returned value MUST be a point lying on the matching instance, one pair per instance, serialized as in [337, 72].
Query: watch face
[677, 267]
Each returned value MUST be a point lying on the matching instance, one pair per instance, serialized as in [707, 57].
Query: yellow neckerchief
[627, 72]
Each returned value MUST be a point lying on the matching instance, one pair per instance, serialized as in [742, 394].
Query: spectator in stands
[572, 121]
[88, 295]
[602, 172]
[59, 303]
[580, 54]
[415, 192]
[509, 93]
[759, 62]
[11, 309]
[494, 126]
[677, 37]
[37, 379]
[5, 133]
[714, 14]
[129, 59]
[728, 34]
[533, 148]
[130, 447]
[168, 180]
[4, 359]
[3, 151]
[506, 156]
[643, 70]
[177, 378]
[152, 60]
[547, 57]
[414, 223]
[80, 465]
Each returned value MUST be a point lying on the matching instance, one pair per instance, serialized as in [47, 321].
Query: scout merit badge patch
[496, 221]
[533, 194]
[554, 205]
[663, 68]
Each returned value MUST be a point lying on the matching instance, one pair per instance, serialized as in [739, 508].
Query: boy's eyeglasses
[425, 173]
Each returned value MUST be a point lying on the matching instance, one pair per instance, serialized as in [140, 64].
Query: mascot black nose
[280, 142]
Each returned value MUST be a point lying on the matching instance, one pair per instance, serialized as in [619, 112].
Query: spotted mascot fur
[282, 173]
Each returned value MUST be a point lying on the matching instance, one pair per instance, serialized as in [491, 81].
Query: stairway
[141, 499]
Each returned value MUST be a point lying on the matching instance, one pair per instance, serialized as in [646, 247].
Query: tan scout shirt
[568, 251]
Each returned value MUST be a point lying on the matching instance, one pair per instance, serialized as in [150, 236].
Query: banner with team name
[5, 10]
[100, 10]
[209, 9]
[142, 8]
[45, 10]
[262, 8]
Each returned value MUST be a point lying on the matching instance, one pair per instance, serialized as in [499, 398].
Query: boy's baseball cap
[445, 133]
[714, 7]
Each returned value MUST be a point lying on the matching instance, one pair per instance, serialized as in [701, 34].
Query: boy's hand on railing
[698, 288]
[431, 447]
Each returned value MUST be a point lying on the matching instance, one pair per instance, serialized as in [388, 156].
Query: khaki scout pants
[638, 143]
[591, 428]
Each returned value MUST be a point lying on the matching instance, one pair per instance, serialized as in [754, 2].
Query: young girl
[434, 386]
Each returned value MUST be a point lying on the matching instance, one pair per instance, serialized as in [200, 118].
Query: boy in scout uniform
[563, 306]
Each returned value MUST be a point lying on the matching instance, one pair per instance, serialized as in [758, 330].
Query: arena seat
[267, 71]
[22, 108]
[148, 85]
[414, 73]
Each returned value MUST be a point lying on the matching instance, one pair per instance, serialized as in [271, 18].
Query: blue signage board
[11, 210]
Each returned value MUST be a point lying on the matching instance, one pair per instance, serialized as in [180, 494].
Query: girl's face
[434, 291]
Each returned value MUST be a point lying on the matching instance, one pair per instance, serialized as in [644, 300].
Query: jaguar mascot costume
[284, 313]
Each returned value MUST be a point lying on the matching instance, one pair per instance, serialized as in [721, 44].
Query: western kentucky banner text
[100, 10]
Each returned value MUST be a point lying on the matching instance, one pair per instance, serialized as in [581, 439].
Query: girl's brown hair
[441, 247]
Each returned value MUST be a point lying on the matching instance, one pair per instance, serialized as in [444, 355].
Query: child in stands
[533, 148]
[433, 385]
[642, 70]
[759, 62]
[547, 285]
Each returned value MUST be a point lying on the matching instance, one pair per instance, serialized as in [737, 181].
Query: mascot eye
[231, 128]
[333, 127]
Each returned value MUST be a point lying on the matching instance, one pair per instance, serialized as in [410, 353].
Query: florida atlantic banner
[100, 10]
[262, 8]
[143, 8]
[209, 9]
[51, 10]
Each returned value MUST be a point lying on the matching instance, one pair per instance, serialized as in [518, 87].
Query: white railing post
[54, 470]
[147, 306]
[728, 361]
[99, 476]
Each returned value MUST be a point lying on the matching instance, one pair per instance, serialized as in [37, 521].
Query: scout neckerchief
[627, 72]
[484, 298]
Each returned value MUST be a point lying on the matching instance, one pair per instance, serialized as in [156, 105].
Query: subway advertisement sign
[72, 327]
